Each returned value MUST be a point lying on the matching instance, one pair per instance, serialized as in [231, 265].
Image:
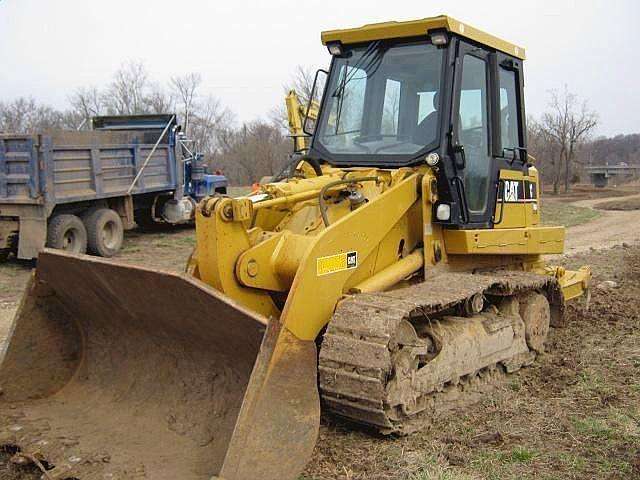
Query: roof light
[335, 49]
[439, 38]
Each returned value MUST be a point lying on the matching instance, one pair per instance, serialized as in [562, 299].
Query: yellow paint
[312, 298]
[296, 113]
[393, 274]
[220, 244]
[574, 283]
[512, 241]
[419, 28]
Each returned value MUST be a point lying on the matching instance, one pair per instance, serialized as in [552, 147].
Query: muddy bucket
[119, 372]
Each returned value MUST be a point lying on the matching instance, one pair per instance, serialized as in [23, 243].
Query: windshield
[382, 100]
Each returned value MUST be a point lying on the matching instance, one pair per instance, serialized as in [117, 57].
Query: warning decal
[336, 263]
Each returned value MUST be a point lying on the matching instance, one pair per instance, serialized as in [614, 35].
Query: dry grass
[560, 213]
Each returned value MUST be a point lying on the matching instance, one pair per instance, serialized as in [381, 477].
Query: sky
[247, 51]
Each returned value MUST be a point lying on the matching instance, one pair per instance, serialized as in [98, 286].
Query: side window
[391, 107]
[473, 132]
[509, 131]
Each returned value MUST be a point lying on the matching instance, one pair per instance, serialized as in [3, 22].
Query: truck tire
[105, 232]
[67, 232]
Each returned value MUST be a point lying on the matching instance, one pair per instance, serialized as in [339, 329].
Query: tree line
[244, 151]
[560, 139]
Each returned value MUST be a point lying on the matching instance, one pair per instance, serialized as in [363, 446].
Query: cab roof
[417, 28]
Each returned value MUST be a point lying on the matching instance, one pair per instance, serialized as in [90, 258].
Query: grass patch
[521, 454]
[515, 385]
[558, 213]
[171, 242]
[592, 383]
[593, 427]
[616, 424]
[572, 461]
[439, 473]
[494, 464]
[431, 469]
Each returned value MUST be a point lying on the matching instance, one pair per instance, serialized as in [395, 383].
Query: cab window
[509, 118]
[473, 132]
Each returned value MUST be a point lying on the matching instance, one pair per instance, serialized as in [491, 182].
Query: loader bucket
[121, 372]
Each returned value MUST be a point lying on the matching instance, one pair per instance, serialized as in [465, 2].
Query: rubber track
[355, 360]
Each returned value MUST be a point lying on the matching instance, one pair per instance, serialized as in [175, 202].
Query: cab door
[472, 136]
[517, 200]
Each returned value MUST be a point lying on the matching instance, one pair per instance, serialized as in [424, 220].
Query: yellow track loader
[395, 273]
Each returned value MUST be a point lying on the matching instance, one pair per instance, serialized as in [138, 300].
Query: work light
[335, 48]
[439, 38]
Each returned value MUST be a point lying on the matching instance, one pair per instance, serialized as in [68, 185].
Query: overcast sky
[247, 50]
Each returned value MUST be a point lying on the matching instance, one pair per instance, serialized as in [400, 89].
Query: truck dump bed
[71, 171]
[75, 166]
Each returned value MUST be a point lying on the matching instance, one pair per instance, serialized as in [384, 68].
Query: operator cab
[399, 91]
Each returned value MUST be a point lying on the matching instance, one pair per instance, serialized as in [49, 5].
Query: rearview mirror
[313, 105]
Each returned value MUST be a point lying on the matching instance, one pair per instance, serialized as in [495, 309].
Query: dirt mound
[620, 205]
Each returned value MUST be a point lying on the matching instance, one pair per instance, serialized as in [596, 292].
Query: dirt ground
[608, 229]
[574, 415]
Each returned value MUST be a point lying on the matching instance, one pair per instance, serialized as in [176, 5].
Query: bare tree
[185, 88]
[126, 92]
[25, 115]
[302, 82]
[208, 120]
[158, 101]
[543, 148]
[85, 104]
[567, 124]
[254, 150]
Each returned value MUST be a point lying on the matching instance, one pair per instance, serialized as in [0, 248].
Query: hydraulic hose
[347, 181]
[287, 171]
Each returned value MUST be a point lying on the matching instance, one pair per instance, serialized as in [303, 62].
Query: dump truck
[397, 273]
[80, 190]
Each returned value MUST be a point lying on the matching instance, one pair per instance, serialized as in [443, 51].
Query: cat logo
[352, 259]
[336, 263]
[511, 190]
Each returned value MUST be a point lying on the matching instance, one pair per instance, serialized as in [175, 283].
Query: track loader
[397, 272]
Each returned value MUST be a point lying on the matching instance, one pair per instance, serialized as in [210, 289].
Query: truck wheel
[66, 232]
[105, 232]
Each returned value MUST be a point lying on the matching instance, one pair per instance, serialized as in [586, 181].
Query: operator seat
[428, 128]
